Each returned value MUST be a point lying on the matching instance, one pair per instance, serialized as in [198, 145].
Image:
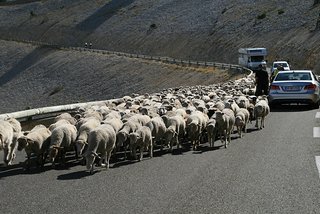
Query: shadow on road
[291, 108]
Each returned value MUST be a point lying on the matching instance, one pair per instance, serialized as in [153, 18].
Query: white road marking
[316, 132]
[318, 163]
[318, 115]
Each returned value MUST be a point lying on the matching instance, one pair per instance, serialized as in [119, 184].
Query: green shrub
[280, 11]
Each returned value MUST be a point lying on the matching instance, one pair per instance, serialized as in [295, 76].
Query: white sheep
[196, 124]
[10, 131]
[142, 139]
[65, 116]
[212, 128]
[176, 127]
[62, 140]
[123, 135]
[83, 132]
[101, 141]
[225, 120]
[35, 142]
[261, 110]
[241, 120]
[158, 128]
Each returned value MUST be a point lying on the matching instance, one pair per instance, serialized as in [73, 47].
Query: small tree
[316, 2]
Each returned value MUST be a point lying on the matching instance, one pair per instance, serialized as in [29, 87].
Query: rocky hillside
[203, 30]
[36, 76]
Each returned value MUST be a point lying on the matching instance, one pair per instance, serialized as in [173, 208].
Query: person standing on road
[262, 80]
[275, 72]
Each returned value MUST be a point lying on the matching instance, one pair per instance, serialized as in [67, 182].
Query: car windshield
[280, 64]
[293, 76]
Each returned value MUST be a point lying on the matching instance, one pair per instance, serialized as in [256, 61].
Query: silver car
[295, 86]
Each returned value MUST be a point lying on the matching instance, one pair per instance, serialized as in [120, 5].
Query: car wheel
[315, 105]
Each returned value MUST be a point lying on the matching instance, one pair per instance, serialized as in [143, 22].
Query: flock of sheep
[196, 114]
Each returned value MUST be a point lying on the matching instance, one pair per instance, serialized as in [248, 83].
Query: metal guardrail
[27, 114]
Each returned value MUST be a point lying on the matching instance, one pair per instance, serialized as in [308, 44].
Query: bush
[280, 11]
[262, 16]
[153, 26]
[32, 13]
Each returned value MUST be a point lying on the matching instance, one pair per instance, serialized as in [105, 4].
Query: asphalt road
[272, 170]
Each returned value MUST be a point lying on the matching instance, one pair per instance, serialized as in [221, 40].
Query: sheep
[176, 126]
[116, 123]
[65, 116]
[10, 131]
[231, 104]
[62, 139]
[225, 120]
[123, 134]
[243, 102]
[141, 138]
[83, 132]
[158, 128]
[241, 120]
[196, 123]
[261, 110]
[58, 123]
[212, 128]
[35, 142]
[101, 140]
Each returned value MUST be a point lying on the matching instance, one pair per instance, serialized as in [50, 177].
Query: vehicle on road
[252, 57]
[295, 86]
[283, 64]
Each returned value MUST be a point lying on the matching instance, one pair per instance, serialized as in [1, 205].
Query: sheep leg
[177, 141]
[151, 150]
[5, 155]
[11, 155]
[103, 160]
[141, 149]
[225, 139]
[108, 159]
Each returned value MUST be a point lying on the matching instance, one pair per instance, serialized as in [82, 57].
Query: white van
[252, 57]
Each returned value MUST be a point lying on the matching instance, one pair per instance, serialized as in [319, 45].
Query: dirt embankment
[32, 76]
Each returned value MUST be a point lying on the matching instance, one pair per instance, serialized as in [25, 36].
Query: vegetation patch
[280, 11]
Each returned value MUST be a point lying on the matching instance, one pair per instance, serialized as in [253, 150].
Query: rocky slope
[33, 76]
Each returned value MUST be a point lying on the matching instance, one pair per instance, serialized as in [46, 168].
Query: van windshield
[257, 58]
